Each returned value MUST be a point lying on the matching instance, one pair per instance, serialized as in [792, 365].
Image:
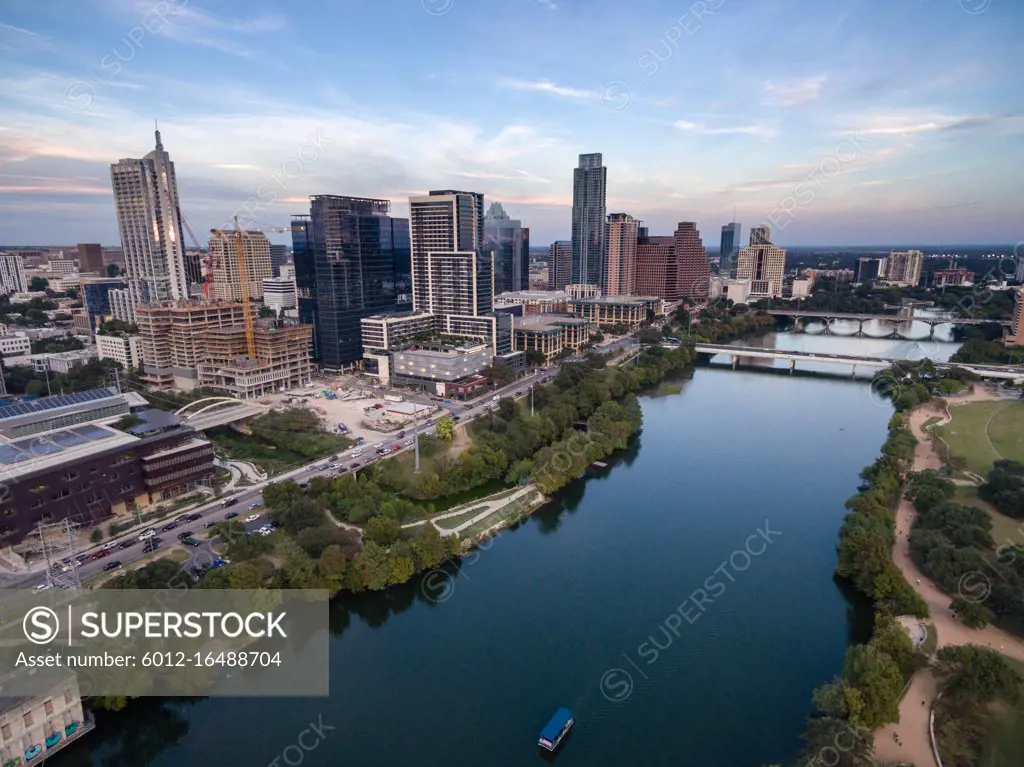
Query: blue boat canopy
[554, 727]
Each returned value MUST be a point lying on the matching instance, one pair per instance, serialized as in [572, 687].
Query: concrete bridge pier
[798, 325]
[853, 372]
[828, 326]
[931, 331]
[735, 362]
[792, 366]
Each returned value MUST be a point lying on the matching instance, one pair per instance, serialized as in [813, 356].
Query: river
[735, 486]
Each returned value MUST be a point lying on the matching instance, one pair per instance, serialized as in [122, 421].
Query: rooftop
[540, 323]
[56, 401]
[531, 295]
[617, 300]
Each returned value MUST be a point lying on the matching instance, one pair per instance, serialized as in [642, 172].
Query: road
[216, 511]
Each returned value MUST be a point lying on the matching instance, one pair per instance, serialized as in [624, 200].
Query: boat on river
[556, 729]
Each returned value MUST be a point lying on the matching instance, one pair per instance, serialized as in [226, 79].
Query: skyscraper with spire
[149, 220]
[589, 192]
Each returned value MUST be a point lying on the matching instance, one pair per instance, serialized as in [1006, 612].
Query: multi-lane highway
[129, 548]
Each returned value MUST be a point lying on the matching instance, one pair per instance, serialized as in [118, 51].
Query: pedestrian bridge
[218, 411]
[827, 318]
[737, 353]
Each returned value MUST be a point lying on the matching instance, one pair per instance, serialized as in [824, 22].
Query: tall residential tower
[149, 219]
[589, 191]
[620, 262]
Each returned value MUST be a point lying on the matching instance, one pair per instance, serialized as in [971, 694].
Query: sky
[835, 121]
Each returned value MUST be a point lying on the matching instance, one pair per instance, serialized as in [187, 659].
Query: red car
[100, 554]
[395, 449]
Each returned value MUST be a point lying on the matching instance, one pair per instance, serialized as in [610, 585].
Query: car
[408, 442]
[110, 545]
[169, 526]
[342, 469]
[111, 566]
[332, 466]
[456, 417]
[495, 398]
[378, 445]
[401, 434]
[381, 451]
[184, 534]
[126, 544]
[264, 532]
[378, 406]
[101, 554]
[41, 587]
[255, 505]
[192, 542]
[146, 534]
[210, 524]
[356, 453]
[194, 517]
[354, 465]
[150, 547]
[157, 541]
[228, 502]
[333, 459]
[182, 518]
[396, 448]
[231, 515]
[251, 518]
[430, 422]
[468, 407]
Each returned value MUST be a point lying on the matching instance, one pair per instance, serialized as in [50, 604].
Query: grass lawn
[1008, 730]
[984, 432]
[452, 522]
[1005, 530]
[510, 511]
[931, 642]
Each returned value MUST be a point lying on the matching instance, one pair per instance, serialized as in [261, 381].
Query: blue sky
[840, 121]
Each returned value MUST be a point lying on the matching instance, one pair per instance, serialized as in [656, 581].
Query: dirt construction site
[365, 412]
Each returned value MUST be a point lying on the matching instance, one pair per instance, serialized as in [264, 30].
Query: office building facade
[12, 274]
[729, 248]
[149, 220]
[96, 296]
[869, 269]
[279, 294]
[278, 258]
[304, 264]
[443, 222]
[589, 212]
[620, 236]
[353, 254]
[673, 268]
[90, 258]
[504, 238]
[765, 267]
[904, 267]
[560, 265]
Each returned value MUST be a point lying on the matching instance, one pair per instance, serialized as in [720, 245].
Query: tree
[96, 536]
[499, 375]
[113, 270]
[974, 614]
[38, 284]
[244, 575]
[877, 678]
[267, 312]
[383, 530]
[1005, 488]
[838, 743]
[445, 429]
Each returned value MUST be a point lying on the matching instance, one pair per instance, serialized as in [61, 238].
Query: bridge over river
[931, 320]
[1006, 372]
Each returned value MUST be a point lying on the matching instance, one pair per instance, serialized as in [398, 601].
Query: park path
[950, 630]
[488, 506]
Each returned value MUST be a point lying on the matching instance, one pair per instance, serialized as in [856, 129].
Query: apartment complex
[673, 268]
[560, 265]
[126, 349]
[942, 278]
[589, 199]
[869, 269]
[282, 359]
[550, 334]
[1015, 334]
[173, 338]
[62, 459]
[904, 268]
[764, 266]
[12, 274]
[15, 344]
[34, 728]
[228, 284]
[533, 301]
[620, 235]
[615, 310]
[444, 223]
[149, 220]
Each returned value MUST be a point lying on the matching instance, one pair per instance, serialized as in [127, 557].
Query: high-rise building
[12, 274]
[1015, 335]
[149, 219]
[194, 271]
[227, 278]
[402, 263]
[90, 258]
[693, 272]
[448, 224]
[559, 265]
[761, 235]
[278, 258]
[728, 248]
[96, 296]
[673, 268]
[764, 266]
[353, 254]
[503, 237]
[526, 259]
[589, 192]
[65, 267]
[620, 261]
[279, 294]
[1019, 276]
[904, 267]
[305, 275]
[173, 338]
[869, 269]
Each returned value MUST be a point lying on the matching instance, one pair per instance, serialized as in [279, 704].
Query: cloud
[796, 93]
[19, 30]
[551, 88]
[763, 131]
[549, 4]
[916, 123]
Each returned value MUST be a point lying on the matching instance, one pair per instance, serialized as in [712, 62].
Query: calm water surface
[563, 610]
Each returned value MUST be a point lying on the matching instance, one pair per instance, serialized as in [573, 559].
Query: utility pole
[46, 370]
[416, 446]
[532, 384]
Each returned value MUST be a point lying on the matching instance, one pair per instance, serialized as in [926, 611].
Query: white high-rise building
[149, 219]
[903, 267]
[227, 281]
[279, 293]
[12, 274]
[764, 266]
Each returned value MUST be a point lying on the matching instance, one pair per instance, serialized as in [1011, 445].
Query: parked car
[41, 587]
[192, 542]
[251, 518]
[111, 566]
[255, 505]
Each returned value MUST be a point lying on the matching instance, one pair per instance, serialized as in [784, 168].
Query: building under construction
[283, 350]
[230, 276]
[173, 338]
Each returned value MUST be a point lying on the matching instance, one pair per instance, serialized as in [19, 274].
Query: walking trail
[487, 507]
[913, 724]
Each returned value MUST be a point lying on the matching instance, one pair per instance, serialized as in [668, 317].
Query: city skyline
[908, 143]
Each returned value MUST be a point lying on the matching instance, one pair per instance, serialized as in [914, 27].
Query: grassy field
[452, 522]
[510, 511]
[1004, 529]
[1008, 730]
[984, 432]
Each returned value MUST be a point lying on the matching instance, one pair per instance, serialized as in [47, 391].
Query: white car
[378, 445]
[252, 518]
[145, 535]
[407, 442]
[356, 453]
[41, 587]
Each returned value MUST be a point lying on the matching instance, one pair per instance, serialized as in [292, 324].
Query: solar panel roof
[92, 432]
[68, 438]
[58, 400]
[9, 455]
